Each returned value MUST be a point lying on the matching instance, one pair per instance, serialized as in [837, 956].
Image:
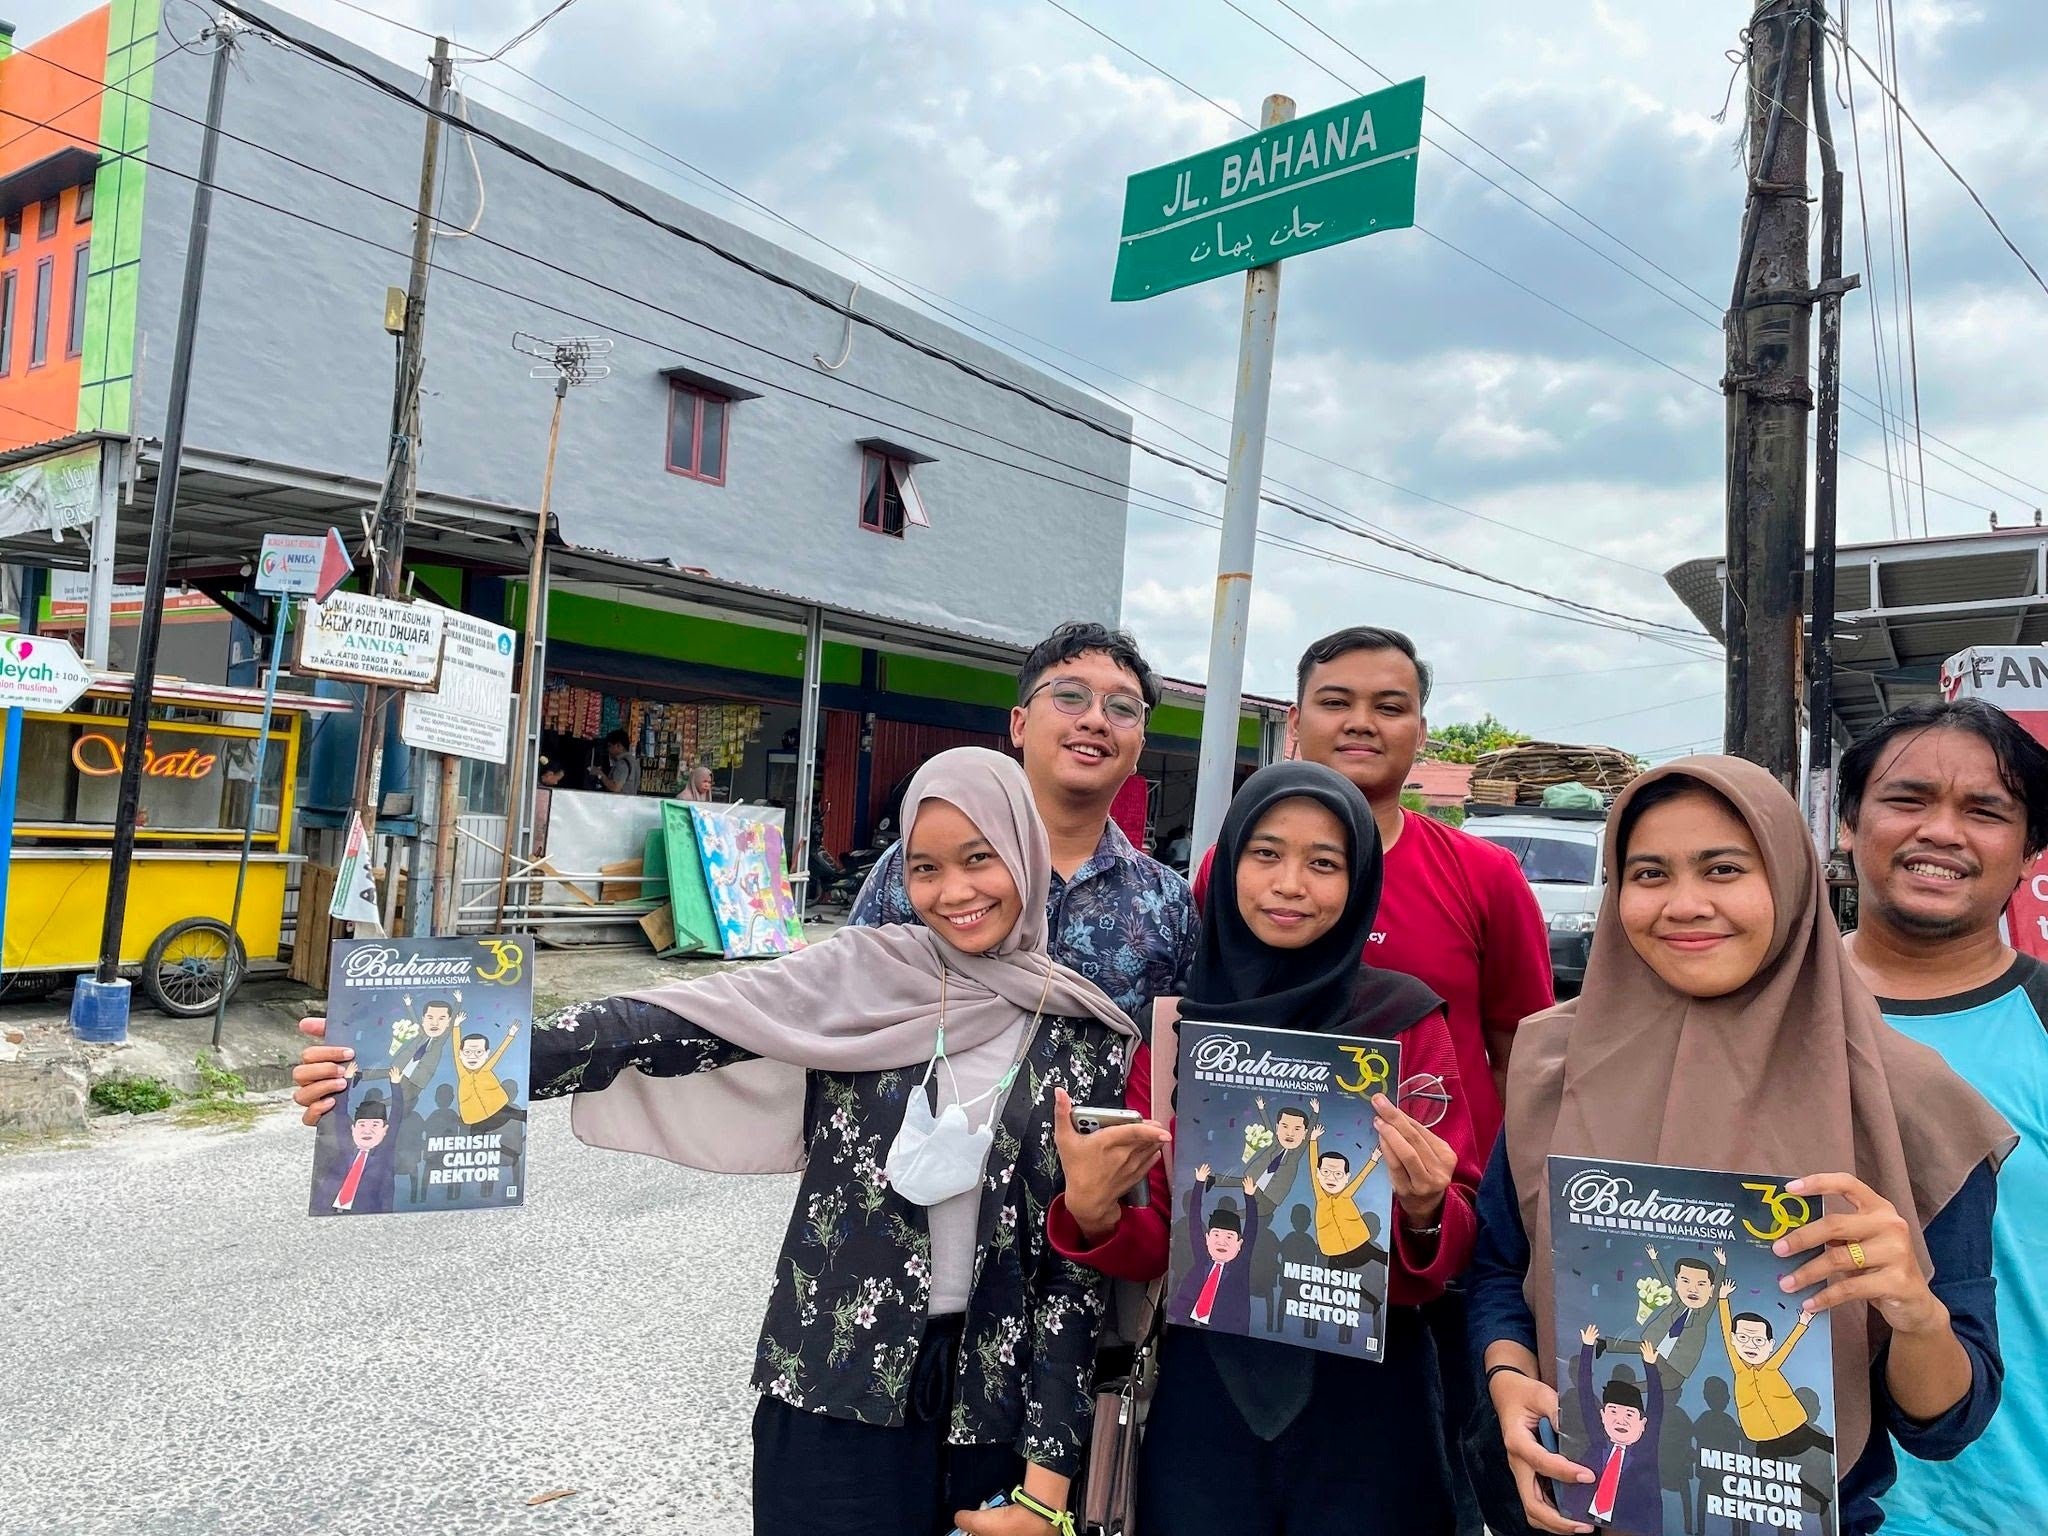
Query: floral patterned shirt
[853, 1281]
[1125, 921]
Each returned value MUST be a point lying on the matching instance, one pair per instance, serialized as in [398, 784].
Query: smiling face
[1084, 757]
[962, 891]
[367, 1132]
[475, 1051]
[1294, 876]
[435, 1018]
[1291, 1128]
[1624, 1425]
[1223, 1244]
[1361, 714]
[1694, 900]
[1752, 1340]
[1694, 1283]
[1939, 841]
[1332, 1170]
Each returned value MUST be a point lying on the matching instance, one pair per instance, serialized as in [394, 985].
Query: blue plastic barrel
[99, 1010]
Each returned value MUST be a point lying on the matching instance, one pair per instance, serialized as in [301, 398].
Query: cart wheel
[191, 964]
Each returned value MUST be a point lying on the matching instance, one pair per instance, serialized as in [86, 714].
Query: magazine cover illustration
[1689, 1384]
[1281, 1223]
[434, 1114]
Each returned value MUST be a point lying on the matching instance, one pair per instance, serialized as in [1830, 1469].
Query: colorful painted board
[749, 882]
[689, 895]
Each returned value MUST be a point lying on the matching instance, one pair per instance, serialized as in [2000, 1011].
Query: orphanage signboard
[372, 640]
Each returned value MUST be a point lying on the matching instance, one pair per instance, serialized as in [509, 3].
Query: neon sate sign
[100, 757]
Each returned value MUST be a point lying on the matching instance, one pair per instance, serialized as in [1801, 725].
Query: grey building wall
[292, 364]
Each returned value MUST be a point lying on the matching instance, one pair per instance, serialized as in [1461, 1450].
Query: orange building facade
[74, 114]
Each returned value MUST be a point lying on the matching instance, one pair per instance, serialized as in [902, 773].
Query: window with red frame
[696, 433]
[889, 498]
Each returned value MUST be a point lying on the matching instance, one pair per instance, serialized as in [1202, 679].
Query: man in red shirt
[1455, 911]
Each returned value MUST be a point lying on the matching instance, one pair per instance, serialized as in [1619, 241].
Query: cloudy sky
[979, 151]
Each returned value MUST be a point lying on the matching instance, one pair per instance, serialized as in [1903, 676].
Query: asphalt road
[188, 1352]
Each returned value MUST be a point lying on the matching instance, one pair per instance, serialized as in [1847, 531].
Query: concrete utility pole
[569, 362]
[1769, 327]
[1222, 704]
[163, 515]
[401, 481]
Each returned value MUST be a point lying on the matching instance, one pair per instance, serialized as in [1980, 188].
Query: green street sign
[1319, 180]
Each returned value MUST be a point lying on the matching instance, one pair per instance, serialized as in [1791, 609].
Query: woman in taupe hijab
[1721, 1027]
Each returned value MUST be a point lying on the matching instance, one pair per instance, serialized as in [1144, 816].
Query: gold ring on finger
[1857, 1256]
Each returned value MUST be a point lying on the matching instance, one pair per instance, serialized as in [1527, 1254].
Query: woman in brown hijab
[1721, 1027]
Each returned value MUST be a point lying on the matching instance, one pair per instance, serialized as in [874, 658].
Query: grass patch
[131, 1096]
[221, 1101]
[221, 1114]
[550, 1002]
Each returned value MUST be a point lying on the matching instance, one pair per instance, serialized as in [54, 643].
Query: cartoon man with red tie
[1217, 1290]
[357, 1156]
[1623, 1432]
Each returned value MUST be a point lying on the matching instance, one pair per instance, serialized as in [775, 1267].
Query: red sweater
[1137, 1248]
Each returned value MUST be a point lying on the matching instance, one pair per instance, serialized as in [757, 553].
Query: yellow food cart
[197, 785]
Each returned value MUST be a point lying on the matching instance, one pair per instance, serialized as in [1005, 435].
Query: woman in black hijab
[1249, 1436]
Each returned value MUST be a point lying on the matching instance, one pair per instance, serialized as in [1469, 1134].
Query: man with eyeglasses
[1120, 918]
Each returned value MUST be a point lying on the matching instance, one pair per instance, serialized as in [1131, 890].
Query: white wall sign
[373, 640]
[470, 714]
[40, 672]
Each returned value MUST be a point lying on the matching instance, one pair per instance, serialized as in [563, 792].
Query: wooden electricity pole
[1768, 329]
[401, 481]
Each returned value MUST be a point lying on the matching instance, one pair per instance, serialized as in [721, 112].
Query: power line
[952, 311]
[1155, 68]
[1946, 163]
[1698, 698]
[1685, 308]
[1117, 495]
[1458, 160]
[527, 33]
[1503, 160]
[1539, 677]
[1906, 246]
[845, 310]
[938, 354]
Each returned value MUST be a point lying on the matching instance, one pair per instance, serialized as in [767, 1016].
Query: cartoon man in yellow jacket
[1343, 1232]
[478, 1093]
[1772, 1416]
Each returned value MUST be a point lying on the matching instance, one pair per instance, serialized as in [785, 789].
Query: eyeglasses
[1125, 711]
[1424, 1099]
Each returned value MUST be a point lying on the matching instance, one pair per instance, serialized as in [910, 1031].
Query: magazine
[1280, 1226]
[434, 1114]
[1689, 1384]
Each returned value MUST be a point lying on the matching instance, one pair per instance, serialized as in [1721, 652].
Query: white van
[1563, 854]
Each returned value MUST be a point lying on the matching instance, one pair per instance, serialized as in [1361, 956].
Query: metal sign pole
[1224, 689]
[280, 613]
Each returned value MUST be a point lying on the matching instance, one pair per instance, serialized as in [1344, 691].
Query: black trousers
[820, 1476]
[1446, 1319]
[1364, 1458]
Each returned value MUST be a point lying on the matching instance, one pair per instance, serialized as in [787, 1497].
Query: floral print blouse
[853, 1281]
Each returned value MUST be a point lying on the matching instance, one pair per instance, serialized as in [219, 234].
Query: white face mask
[935, 1157]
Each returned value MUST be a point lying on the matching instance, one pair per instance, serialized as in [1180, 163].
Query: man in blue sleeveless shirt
[1943, 805]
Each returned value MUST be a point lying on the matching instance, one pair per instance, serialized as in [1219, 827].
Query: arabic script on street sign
[40, 672]
[1319, 180]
